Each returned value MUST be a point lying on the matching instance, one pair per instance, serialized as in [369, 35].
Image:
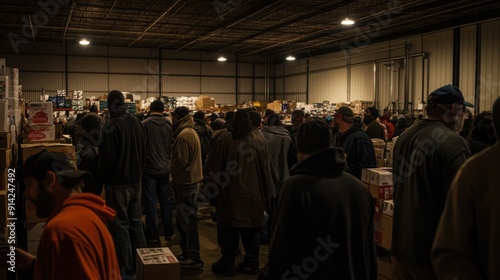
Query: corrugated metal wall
[362, 83]
[329, 85]
[468, 62]
[440, 49]
[489, 78]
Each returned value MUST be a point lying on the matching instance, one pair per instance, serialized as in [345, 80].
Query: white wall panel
[260, 70]
[219, 69]
[260, 97]
[130, 65]
[87, 64]
[415, 44]
[176, 84]
[260, 85]
[217, 85]
[296, 97]
[362, 83]
[468, 62]
[245, 85]
[278, 86]
[180, 67]
[129, 83]
[369, 53]
[33, 81]
[42, 63]
[91, 82]
[330, 85]
[223, 98]
[295, 67]
[416, 87]
[385, 87]
[490, 65]
[327, 61]
[245, 69]
[296, 84]
[245, 97]
[440, 49]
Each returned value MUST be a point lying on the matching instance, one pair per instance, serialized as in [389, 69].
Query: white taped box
[156, 263]
[41, 132]
[380, 177]
[4, 87]
[365, 175]
[13, 103]
[4, 117]
[40, 113]
[13, 74]
[388, 207]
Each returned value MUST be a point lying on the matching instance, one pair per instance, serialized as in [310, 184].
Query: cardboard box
[4, 87]
[378, 143]
[381, 177]
[28, 150]
[388, 207]
[3, 69]
[4, 117]
[386, 241]
[381, 162]
[379, 153]
[5, 158]
[41, 113]
[157, 263]
[5, 140]
[41, 133]
[381, 192]
[365, 175]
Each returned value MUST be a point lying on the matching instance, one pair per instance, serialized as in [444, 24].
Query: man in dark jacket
[426, 158]
[373, 127]
[354, 141]
[204, 132]
[315, 235]
[156, 173]
[121, 164]
[237, 173]
[87, 154]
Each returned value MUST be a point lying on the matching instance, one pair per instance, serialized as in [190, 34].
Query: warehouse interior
[240, 53]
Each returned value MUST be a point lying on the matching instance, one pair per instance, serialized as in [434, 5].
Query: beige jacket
[186, 165]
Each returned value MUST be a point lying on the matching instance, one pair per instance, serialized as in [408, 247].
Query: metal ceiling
[271, 28]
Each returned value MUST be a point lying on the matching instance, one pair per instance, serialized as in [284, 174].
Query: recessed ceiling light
[221, 58]
[290, 58]
[84, 42]
[347, 21]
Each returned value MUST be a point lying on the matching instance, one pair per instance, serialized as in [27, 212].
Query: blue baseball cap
[449, 94]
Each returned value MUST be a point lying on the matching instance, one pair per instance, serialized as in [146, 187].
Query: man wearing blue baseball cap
[426, 158]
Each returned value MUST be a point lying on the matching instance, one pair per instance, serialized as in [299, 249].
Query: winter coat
[122, 150]
[205, 133]
[158, 145]
[186, 165]
[324, 214]
[358, 149]
[278, 142]
[238, 180]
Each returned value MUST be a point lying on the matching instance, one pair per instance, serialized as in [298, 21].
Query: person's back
[158, 145]
[315, 221]
[426, 158]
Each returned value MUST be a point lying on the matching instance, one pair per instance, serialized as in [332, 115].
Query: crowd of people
[296, 186]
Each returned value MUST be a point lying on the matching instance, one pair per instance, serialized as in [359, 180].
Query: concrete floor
[210, 251]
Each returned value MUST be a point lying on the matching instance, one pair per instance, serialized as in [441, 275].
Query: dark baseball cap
[38, 165]
[449, 94]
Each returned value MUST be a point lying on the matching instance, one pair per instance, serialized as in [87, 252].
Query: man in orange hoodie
[75, 243]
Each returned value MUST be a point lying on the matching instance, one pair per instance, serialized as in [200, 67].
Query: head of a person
[482, 129]
[274, 120]
[217, 124]
[241, 125]
[89, 128]
[298, 117]
[50, 179]
[447, 104]
[199, 115]
[267, 113]
[93, 109]
[179, 113]
[213, 117]
[116, 102]
[495, 114]
[157, 106]
[256, 118]
[370, 115]
[343, 116]
[312, 137]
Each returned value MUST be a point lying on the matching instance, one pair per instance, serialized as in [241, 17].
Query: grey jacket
[158, 145]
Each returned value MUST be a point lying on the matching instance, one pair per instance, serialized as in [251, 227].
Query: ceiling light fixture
[290, 58]
[347, 21]
[222, 58]
[84, 42]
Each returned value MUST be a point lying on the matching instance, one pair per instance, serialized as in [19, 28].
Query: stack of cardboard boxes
[41, 122]
[157, 263]
[205, 103]
[379, 145]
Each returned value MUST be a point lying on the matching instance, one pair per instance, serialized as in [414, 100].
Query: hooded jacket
[278, 142]
[205, 133]
[358, 149]
[326, 214]
[122, 149]
[158, 145]
[186, 165]
[76, 243]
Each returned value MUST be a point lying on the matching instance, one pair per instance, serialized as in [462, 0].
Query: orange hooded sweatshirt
[76, 243]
